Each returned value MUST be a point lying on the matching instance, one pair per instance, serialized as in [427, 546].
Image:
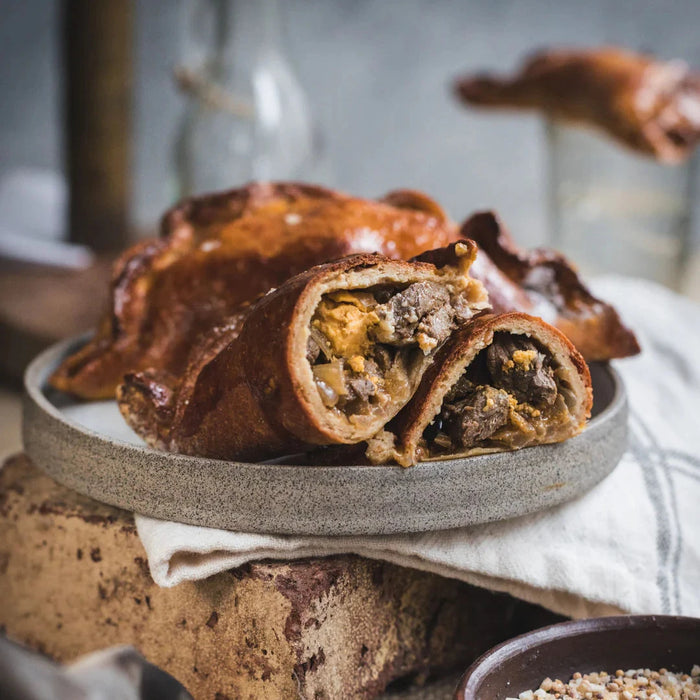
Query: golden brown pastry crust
[221, 250]
[224, 250]
[249, 392]
[650, 106]
[543, 283]
[400, 441]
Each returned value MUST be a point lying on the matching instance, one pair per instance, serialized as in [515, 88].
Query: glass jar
[615, 211]
[248, 117]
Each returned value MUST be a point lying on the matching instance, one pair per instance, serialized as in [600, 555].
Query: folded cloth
[631, 544]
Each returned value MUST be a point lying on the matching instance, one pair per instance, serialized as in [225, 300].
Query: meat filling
[520, 368]
[422, 313]
[477, 416]
[508, 395]
[363, 345]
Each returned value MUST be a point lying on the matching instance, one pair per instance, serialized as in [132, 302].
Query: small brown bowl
[597, 644]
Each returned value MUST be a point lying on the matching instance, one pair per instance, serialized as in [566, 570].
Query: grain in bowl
[635, 684]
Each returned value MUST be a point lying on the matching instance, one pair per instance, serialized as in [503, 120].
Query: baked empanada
[543, 283]
[648, 105]
[327, 358]
[501, 382]
[220, 252]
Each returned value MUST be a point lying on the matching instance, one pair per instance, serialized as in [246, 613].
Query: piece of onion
[442, 440]
[322, 342]
[328, 395]
[333, 375]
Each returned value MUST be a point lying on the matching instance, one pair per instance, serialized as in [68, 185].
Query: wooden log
[74, 578]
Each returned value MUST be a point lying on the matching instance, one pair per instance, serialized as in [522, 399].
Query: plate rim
[39, 413]
[42, 365]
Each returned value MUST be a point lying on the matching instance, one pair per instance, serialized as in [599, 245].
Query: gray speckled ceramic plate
[89, 448]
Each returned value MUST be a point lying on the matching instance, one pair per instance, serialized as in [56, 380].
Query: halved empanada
[327, 358]
[502, 382]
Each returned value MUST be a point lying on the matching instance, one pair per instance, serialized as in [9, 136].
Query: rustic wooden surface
[74, 578]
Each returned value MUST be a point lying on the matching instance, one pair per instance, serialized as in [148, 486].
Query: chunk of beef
[462, 309]
[518, 366]
[358, 391]
[460, 389]
[423, 307]
[360, 388]
[380, 362]
[438, 323]
[476, 417]
[381, 296]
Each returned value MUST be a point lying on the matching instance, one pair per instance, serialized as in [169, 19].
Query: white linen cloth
[631, 544]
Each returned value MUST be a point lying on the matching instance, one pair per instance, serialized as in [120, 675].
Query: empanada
[327, 358]
[648, 105]
[220, 252]
[501, 382]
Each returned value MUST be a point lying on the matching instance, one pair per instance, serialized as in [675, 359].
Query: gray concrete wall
[377, 75]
